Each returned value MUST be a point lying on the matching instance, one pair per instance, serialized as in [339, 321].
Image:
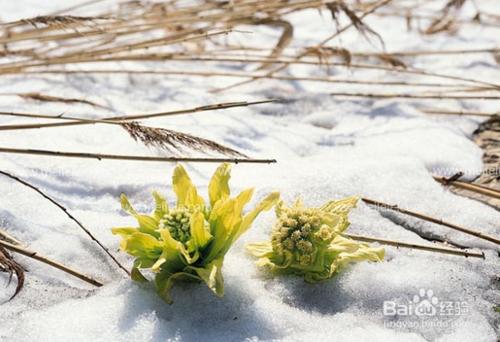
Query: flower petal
[218, 187]
[147, 224]
[142, 245]
[161, 205]
[123, 231]
[172, 249]
[200, 235]
[266, 204]
[260, 249]
[184, 188]
[342, 206]
[350, 251]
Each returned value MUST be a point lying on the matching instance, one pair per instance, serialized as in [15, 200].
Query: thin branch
[458, 87]
[416, 96]
[468, 186]
[100, 156]
[431, 219]
[9, 238]
[11, 266]
[322, 43]
[451, 112]
[400, 244]
[45, 260]
[72, 121]
[74, 219]
[430, 52]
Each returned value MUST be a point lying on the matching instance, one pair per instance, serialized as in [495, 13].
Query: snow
[326, 147]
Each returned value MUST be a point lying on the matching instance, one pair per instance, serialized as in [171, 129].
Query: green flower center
[178, 222]
[295, 232]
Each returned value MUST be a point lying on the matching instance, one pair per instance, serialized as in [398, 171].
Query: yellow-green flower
[189, 241]
[309, 241]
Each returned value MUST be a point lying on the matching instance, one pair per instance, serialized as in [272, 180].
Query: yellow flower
[189, 241]
[308, 241]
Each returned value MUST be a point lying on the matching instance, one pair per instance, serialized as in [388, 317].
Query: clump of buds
[309, 241]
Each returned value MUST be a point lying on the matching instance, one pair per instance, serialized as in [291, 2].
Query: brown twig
[400, 244]
[416, 96]
[9, 238]
[11, 266]
[431, 219]
[49, 98]
[322, 43]
[72, 121]
[45, 260]
[458, 87]
[70, 216]
[468, 186]
[100, 156]
[457, 112]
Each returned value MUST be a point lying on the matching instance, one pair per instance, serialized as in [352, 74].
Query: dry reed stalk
[284, 61]
[74, 7]
[284, 40]
[9, 238]
[433, 17]
[163, 138]
[457, 112]
[191, 14]
[460, 87]
[72, 121]
[429, 52]
[482, 86]
[447, 18]
[336, 7]
[372, 9]
[69, 215]
[101, 156]
[416, 96]
[468, 186]
[34, 255]
[88, 56]
[475, 233]
[408, 53]
[9, 265]
[176, 39]
[400, 244]
[49, 98]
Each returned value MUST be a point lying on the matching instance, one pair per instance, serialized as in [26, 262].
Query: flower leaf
[211, 274]
[165, 281]
[135, 274]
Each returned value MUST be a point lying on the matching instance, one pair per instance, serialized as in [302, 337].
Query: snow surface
[326, 148]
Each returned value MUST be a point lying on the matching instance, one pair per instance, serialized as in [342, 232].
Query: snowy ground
[326, 148]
